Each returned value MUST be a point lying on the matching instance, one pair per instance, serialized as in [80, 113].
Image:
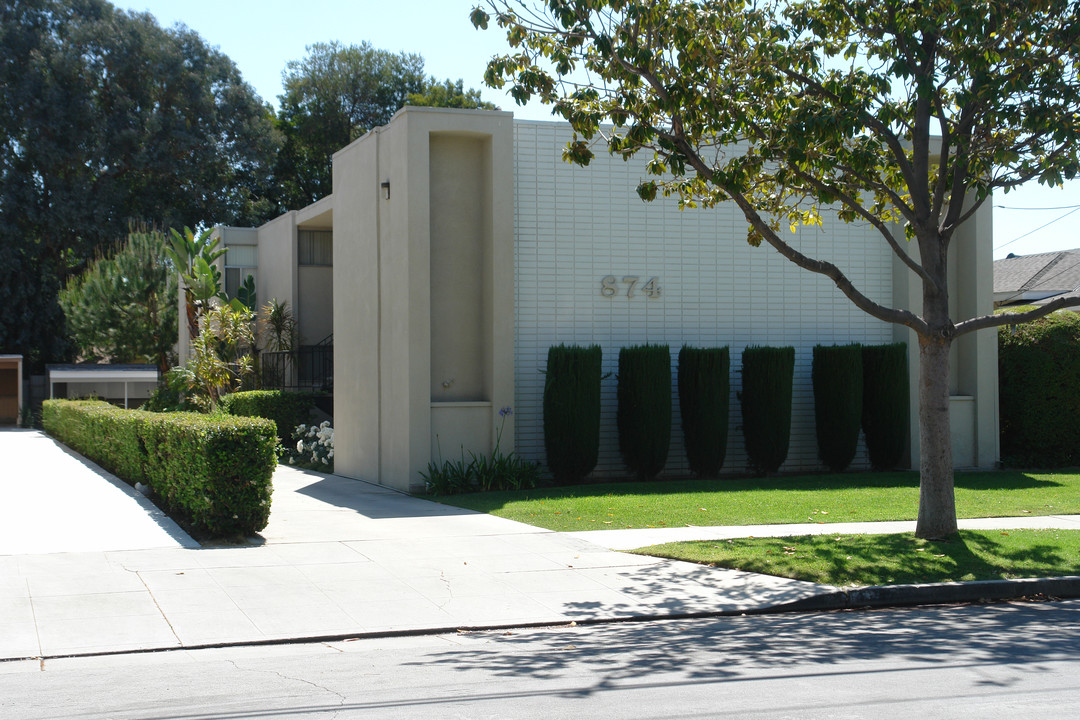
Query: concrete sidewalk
[339, 558]
[344, 558]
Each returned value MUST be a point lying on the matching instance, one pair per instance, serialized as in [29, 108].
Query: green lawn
[861, 560]
[756, 501]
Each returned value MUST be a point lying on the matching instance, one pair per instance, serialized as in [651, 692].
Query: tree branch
[989, 321]
[873, 220]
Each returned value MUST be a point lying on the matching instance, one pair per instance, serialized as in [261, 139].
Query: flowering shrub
[482, 472]
[314, 447]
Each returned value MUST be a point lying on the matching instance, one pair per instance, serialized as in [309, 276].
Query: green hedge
[838, 403]
[572, 411]
[644, 413]
[286, 409]
[885, 404]
[211, 472]
[1039, 391]
[704, 386]
[767, 374]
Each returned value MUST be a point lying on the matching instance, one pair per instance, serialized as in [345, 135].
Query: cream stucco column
[423, 292]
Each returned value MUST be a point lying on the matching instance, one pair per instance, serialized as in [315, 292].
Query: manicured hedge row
[286, 409]
[1039, 391]
[212, 472]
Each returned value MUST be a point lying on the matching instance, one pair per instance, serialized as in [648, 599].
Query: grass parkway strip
[864, 560]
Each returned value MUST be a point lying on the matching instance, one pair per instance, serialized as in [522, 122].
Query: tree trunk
[937, 504]
[192, 315]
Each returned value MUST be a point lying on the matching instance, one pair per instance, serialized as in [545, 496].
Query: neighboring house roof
[1029, 279]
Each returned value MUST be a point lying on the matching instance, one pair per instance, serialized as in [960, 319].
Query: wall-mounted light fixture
[386, 189]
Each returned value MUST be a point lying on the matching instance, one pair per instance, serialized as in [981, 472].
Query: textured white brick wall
[576, 225]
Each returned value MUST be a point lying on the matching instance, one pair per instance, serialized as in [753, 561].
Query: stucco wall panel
[577, 225]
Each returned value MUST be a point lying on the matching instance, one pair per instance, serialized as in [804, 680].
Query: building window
[234, 279]
[316, 247]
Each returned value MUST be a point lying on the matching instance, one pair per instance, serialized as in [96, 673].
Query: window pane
[316, 247]
[242, 256]
[232, 281]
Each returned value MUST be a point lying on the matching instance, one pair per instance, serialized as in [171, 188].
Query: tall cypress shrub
[838, 403]
[767, 374]
[572, 411]
[885, 403]
[644, 416]
[704, 385]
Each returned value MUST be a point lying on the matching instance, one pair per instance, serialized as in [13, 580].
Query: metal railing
[309, 369]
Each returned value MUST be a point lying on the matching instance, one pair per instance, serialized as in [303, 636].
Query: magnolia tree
[903, 116]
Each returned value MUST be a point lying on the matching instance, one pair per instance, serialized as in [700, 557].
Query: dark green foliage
[286, 409]
[885, 404]
[838, 403]
[704, 386]
[32, 323]
[572, 411]
[107, 117]
[123, 306]
[483, 473]
[335, 95]
[1039, 397]
[644, 415]
[767, 374]
[213, 473]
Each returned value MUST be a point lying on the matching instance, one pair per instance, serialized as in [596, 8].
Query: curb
[933, 594]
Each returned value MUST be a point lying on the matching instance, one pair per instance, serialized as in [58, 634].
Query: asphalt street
[1009, 660]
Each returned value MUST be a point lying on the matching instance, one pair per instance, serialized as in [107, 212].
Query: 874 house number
[631, 286]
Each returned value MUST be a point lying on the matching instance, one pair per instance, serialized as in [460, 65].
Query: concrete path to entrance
[340, 558]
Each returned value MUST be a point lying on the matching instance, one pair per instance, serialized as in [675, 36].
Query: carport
[118, 384]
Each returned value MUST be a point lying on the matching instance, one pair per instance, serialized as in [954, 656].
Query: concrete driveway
[54, 501]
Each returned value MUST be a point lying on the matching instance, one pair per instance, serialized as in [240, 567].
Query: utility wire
[1059, 207]
[1030, 232]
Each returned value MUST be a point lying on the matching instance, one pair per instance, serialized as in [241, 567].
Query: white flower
[325, 461]
[299, 446]
[325, 424]
[301, 428]
[292, 460]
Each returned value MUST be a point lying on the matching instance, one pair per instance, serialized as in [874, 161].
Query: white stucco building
[457, 247]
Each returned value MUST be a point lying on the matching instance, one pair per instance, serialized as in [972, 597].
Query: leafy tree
[336, 94]
[886, 112]
[106, 117]
[193, 257]
[449, 94]
[31, 323]
[123, 306]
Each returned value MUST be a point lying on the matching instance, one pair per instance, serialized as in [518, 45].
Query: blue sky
[262, 35]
